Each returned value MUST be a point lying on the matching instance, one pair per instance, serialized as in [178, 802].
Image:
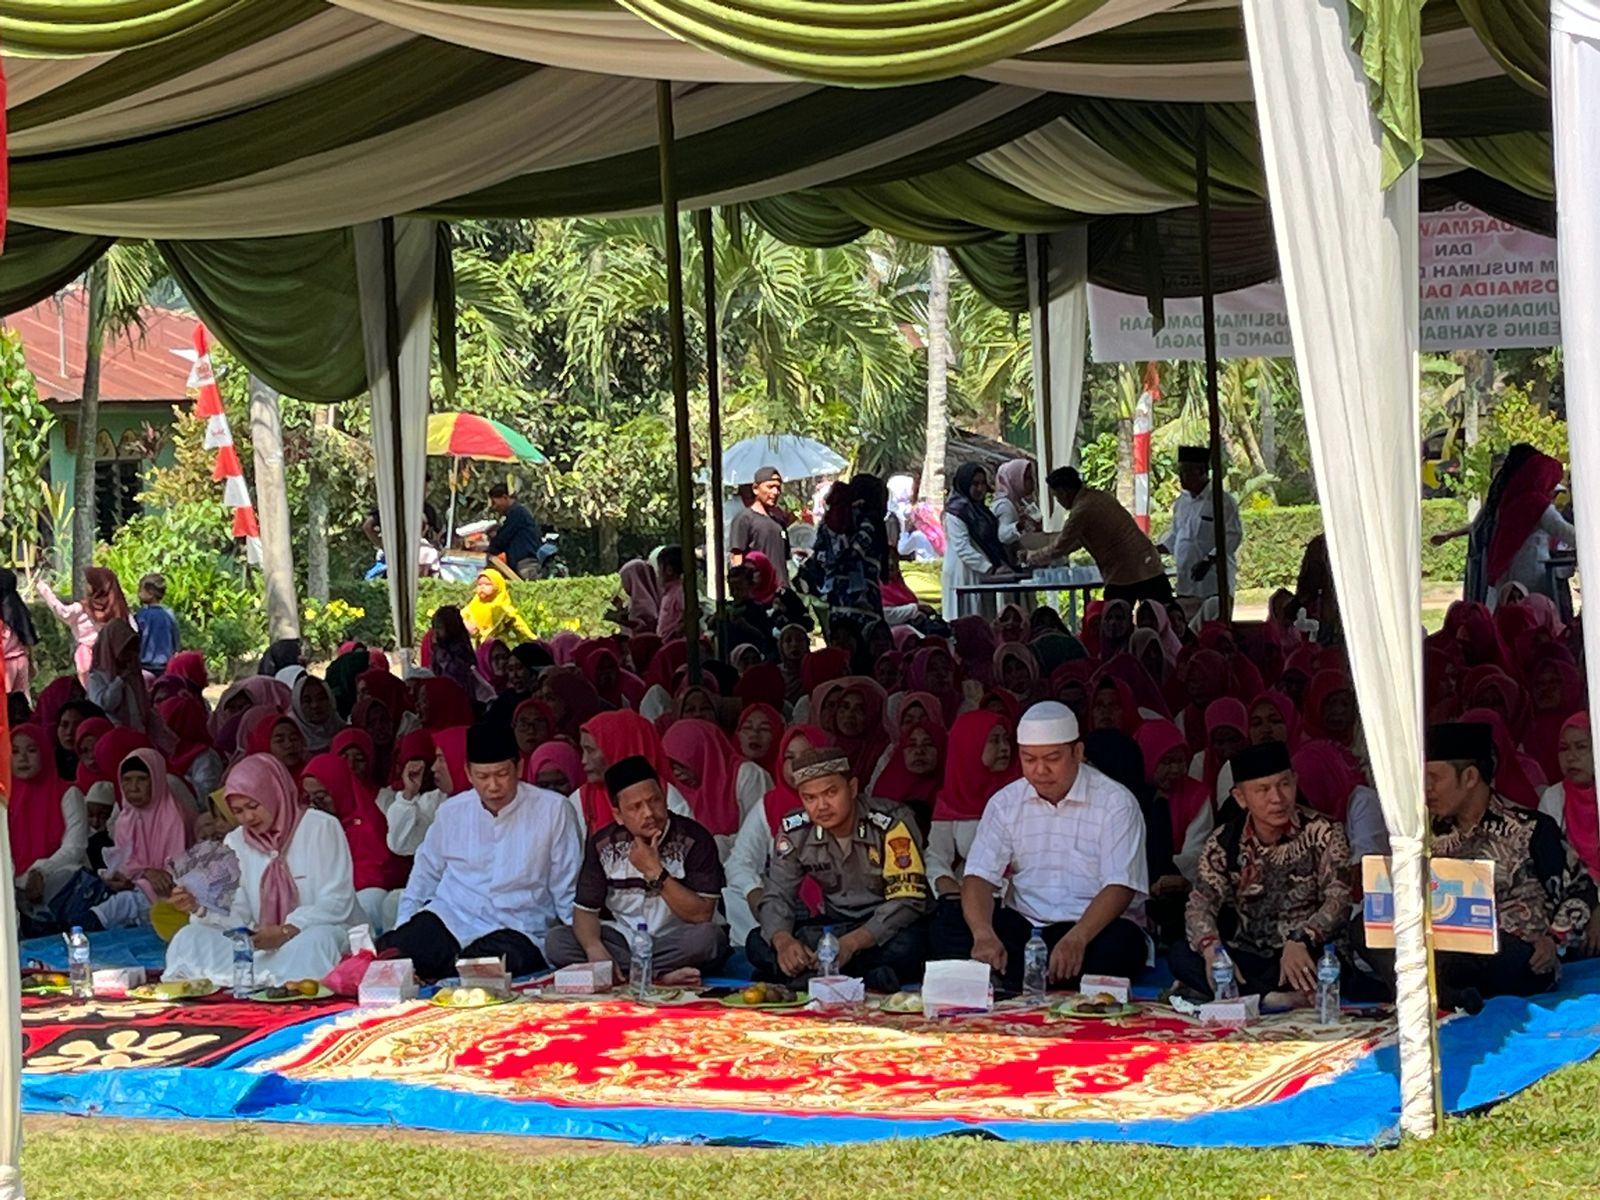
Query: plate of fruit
[172, 990]
[292, 992]
[46, 983]
[1098, 1007]
[468, 997]
[766, 995]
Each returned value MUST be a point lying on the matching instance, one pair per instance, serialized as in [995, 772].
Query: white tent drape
[394, 269]
[11, 1040]
[1056, 408]
[1575, 101]
[1348, 251]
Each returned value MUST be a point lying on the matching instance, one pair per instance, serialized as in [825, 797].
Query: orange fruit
[307, 987]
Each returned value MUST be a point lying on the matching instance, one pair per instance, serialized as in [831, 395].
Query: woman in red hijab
[1273, 719]
[858, 725]
[981, 758]
[1555, 695]
[933, 669]
[706, 766]
[1227, 733]
[279, 736]
[571, 698]
[49, 832]
[415, 795]
[1112, 705]
[1189, 804]
[746, 863]
[190, 667]
[608, 738]
[386, 690]
[1572, 805]
[441, 704]
[756, 737]
[1205, 681]
[1327, 778]
[915, 771]
[554, 766]
[1016, 670]
[1516, 776]
[328, 783]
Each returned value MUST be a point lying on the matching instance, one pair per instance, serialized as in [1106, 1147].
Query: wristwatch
[655, 885]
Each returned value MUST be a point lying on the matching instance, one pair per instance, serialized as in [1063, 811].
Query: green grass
[1545, 1142]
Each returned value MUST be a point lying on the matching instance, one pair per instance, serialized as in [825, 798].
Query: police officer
[866, 856]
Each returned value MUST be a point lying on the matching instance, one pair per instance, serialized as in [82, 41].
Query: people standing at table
[867, 858]
[1192, 537]
[514, 549]
[1509, 541]
[1129, 563]
[1016, 495]
[649, 866]
[973, 551]
[759, 525]
[498, 867]
[1067, 844]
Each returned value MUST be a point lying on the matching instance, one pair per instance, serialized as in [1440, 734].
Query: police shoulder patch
[783, 846]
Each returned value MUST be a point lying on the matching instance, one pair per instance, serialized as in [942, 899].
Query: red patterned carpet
[1007, 1066]
[62, 1036]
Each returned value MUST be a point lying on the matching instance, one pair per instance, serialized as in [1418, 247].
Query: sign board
[1484, 284]
[1461, 901]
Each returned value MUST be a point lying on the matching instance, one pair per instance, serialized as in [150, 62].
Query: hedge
[549, 605]
[1275, 540]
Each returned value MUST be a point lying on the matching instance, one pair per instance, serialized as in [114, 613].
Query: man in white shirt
[497, 868]
[1066, 844]
[1192, 539]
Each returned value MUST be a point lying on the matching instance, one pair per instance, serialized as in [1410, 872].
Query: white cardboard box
[832, 990]
[583, 978]
[953, 986]
[1112, 985]
[487, 973]
[1231, 1014]
[387, 981]
[115, 981]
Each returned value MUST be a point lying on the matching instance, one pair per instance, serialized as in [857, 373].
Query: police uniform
[876, 880]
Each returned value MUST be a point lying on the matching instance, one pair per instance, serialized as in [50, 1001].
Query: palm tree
[117, 286]
[933, 485]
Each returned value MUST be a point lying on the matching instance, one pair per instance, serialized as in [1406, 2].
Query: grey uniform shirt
[876, 879]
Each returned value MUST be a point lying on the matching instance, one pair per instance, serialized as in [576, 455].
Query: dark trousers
[1504, 973]
[1118, 949]
[433, 949]
[903, 956]
[1257, 974]
[1157, 587]
[948, 935]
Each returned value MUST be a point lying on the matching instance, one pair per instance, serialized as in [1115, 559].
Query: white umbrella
[795, 457]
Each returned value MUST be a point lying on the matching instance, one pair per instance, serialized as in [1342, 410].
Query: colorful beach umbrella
[467, 435]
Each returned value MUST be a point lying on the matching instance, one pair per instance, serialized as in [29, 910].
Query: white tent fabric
[11, 1040]
[1348, 250]
[1055, 408]
[399, 416]
[1062, 165]
[1575, 100]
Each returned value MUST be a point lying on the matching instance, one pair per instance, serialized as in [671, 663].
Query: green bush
[1275, 540]
[548, 605]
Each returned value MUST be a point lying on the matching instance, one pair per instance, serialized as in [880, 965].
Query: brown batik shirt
[1532, 882]
[1292, 889]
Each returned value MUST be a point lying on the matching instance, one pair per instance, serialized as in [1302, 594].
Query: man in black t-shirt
[757, 526]
[651, 866]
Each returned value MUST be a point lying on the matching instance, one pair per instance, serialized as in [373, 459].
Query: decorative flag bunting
[219, 437]
[1143, 418]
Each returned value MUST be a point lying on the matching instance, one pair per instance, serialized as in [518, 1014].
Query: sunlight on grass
[1546, 1139]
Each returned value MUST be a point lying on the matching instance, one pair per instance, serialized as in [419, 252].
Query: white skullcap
[1048, 723]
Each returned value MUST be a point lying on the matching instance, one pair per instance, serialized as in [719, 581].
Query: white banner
[1485, 285]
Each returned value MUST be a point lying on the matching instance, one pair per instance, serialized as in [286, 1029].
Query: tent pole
[704, 223]
[1047, 451]
[401, 567]
[680, 375]
[450, 532]
[1208, 306]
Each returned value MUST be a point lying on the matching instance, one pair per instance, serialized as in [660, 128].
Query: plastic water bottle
[640, 967]
[1328, 988]
[244, 965]
[1224, 983]
[828, 953]
[1035, 968]
[80, 972]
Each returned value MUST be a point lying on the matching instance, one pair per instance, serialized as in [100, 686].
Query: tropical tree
[117, 287]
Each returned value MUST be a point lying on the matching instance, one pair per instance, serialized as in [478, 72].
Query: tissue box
[1112, 985]
[487, 973]
[583, 978]
[387, 981]
[115, 981]
[829, 990]
[955, 986]
[1231, 1014]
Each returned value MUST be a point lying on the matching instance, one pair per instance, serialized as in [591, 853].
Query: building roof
[138, 366]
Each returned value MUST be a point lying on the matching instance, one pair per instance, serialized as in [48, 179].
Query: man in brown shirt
[1128, 560]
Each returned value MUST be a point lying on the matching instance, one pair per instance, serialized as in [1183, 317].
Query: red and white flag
[219, 437]
[1143, 418]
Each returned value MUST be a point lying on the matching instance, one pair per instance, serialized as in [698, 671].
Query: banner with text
[1485, 285]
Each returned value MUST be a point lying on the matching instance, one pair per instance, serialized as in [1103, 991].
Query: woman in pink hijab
[706, 768]
[296, 890]
[153, 827]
